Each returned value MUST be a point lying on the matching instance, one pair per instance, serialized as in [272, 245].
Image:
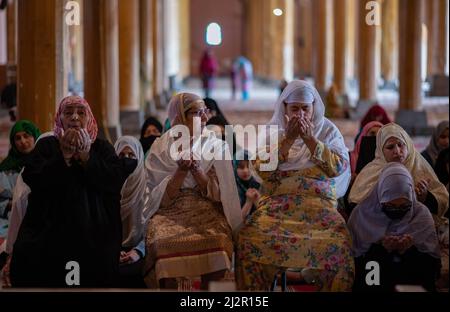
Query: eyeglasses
[200, 112]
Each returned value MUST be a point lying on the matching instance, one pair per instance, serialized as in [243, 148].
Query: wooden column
[11, 28]
[158, 46]
[351, 30]
[129, 55]
[437, 37]
[40, 59]
[185, 42]
[389, 40]
[410, 28]
[101, 64]
[303, 38]
[340, 45]
[367, 56]
[321, 18]
[146, 54]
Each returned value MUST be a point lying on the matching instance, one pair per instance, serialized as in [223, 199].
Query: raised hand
[421, 189]
[68, 143]
[306, 129]
[292, 127]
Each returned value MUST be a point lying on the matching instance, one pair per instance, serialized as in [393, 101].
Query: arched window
[213, 34]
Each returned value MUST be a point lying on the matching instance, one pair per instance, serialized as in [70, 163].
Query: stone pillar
[40, 58]
[389, 42]
[131, 115]
[410, 28]
[101, 64]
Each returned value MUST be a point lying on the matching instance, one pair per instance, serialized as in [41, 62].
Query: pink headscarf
[355, 153]
[91, 128]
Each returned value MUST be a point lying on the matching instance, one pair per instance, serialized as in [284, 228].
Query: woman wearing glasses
[193, 206]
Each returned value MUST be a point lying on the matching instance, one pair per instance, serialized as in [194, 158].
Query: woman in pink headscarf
[73, 214]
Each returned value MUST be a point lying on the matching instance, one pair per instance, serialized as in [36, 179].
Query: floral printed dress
[297, 225]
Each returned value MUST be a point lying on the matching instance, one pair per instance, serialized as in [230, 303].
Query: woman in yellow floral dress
[296, 223]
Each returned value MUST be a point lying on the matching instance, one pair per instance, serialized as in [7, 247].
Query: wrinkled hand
[306, 129]
[84, 145]
[68, 143]
[421, 189]
[184, 165]
[129, 257]
[292, 127]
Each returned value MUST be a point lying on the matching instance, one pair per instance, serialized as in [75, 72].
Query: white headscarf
[324, 130]
[133, 194]
[161, 167]
[415, 163]
[368, 224]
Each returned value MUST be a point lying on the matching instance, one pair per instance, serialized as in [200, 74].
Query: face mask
[395, 213]
[147, 142]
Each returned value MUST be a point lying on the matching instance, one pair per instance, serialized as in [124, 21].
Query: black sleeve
[105, 170]
[45, 168]
[431, 203]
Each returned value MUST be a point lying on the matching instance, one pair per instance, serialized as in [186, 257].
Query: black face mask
[395, 213]
[147, 142]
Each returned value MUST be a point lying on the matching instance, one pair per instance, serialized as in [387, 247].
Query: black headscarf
[147, 142]
[212, 105]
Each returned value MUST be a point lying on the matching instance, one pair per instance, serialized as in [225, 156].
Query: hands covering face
[298, 127]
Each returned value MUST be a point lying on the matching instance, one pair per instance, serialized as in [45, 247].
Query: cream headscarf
[324, 130]
[160, 166]
[415, 163]
[133, 193]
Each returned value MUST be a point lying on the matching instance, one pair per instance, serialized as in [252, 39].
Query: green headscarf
[15, 159]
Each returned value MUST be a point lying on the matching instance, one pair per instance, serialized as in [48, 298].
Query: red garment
[208, 65]
[375, 113]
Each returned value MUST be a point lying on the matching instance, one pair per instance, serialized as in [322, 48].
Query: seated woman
[194, 204]
[134, 196]
[151, 129]
[296, 224]
[247, 185]
[438, 142]
[214, 109]
[73, 211]
[22, 140]
[375, 113]
[394, 229]
[362, 154]
[395, 145]
[370, 130]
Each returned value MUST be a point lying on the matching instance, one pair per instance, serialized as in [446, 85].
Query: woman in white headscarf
[394, 229]
[194, 204]
[395, 145]
[134, 195]
[296, 224]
